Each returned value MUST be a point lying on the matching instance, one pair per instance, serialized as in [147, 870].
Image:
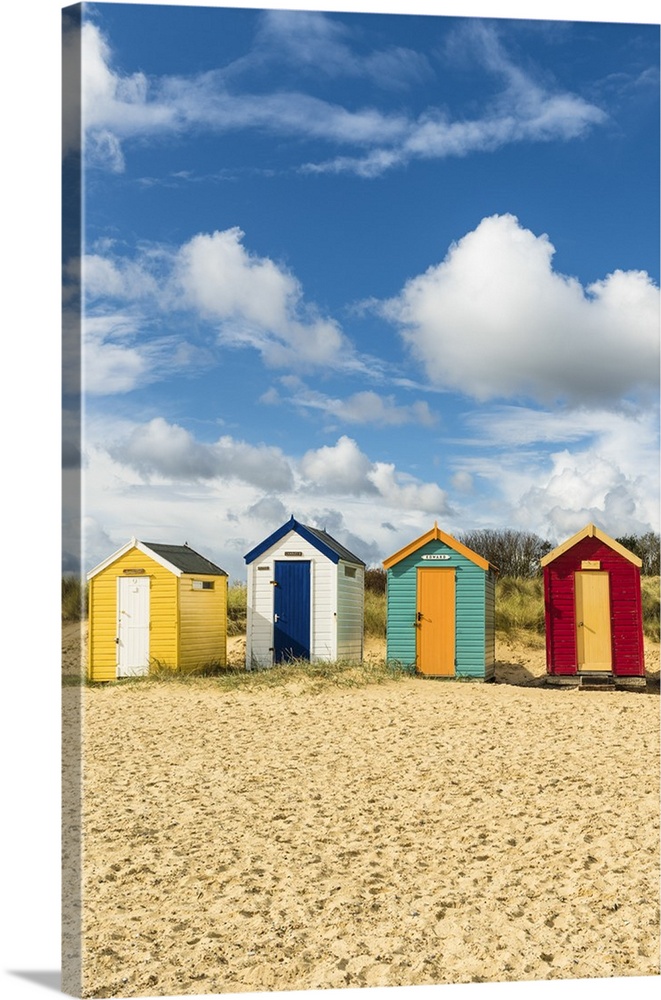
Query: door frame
[137, 670]
[601, 620]
[449, 656]
[288, 562]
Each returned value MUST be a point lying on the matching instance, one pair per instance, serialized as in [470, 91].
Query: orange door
[593, 621]
[436, 622]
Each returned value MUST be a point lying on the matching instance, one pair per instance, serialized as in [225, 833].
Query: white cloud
[314, 42]
[337, 469]
[494, 319]
[604, 468]
[119, 106]
[116, 357]
[250, 301]
[157, 481]
[114, 277]
[344, 469]
[116, 105]
[169, 451]
[257, 303]
[366, 407]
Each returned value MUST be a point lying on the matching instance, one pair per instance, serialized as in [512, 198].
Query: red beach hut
[594, 622]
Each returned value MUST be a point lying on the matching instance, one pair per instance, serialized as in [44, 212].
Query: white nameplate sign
[437, 558]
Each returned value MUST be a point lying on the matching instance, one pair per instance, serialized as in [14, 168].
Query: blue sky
[374, 270]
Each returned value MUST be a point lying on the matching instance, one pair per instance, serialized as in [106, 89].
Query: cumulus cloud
[156, 480]
[257, 303]
[588, 486]
[495, 319]
[170, 451]
[344, 468]
[339, 468]
[249, 301]
[553, 472]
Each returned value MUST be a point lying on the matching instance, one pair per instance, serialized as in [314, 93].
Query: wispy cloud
[366, 407]
[119, 106]
[319, 45]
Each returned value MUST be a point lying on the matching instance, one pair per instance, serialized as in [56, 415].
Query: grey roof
[185, 559]
[333, 544]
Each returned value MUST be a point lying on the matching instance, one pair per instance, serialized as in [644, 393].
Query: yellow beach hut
[152, 604]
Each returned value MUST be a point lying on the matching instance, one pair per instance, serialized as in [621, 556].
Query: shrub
[375, 580]
[514, 553]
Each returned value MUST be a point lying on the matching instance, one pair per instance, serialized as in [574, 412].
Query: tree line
[518, 553]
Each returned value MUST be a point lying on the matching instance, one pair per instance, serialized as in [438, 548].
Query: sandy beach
[398, 834]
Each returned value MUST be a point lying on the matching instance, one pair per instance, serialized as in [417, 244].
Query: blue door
[291, 611]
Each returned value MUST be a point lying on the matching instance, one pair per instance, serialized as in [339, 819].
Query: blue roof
[321, 540]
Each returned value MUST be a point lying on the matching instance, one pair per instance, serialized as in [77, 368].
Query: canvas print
[360, 583]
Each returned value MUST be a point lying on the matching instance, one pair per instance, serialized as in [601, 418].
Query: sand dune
[409, 833]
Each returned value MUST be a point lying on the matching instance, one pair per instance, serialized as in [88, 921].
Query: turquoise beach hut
[441, 609]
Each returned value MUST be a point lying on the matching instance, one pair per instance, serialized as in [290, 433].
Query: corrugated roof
[185, 559]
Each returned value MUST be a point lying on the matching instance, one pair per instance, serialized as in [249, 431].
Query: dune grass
[650, 600]
[297, 674]
[520, 609]
[74, 598]
[237, 608]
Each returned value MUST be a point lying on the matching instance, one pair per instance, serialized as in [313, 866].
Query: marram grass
[298, 674]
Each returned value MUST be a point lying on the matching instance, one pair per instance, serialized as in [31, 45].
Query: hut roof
[435, 534]
[185, 558]
[590, 531]
[177, 558]
[321, 540]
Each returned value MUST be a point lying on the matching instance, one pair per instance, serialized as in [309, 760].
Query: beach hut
[305, 598]
[593, 609]
[155, 604]
[440, 609]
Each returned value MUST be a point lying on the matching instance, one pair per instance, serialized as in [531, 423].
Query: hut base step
[597, 682]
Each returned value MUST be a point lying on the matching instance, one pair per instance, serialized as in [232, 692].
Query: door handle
[276, 618]
[580, 624]
[420, 616]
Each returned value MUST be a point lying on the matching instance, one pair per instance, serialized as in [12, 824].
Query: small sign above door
[436, 557]
[590, 564]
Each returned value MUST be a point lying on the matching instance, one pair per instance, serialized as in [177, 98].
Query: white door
[132, 626]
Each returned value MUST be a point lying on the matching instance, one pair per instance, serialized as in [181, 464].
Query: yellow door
[593, 621]
[436, 622]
